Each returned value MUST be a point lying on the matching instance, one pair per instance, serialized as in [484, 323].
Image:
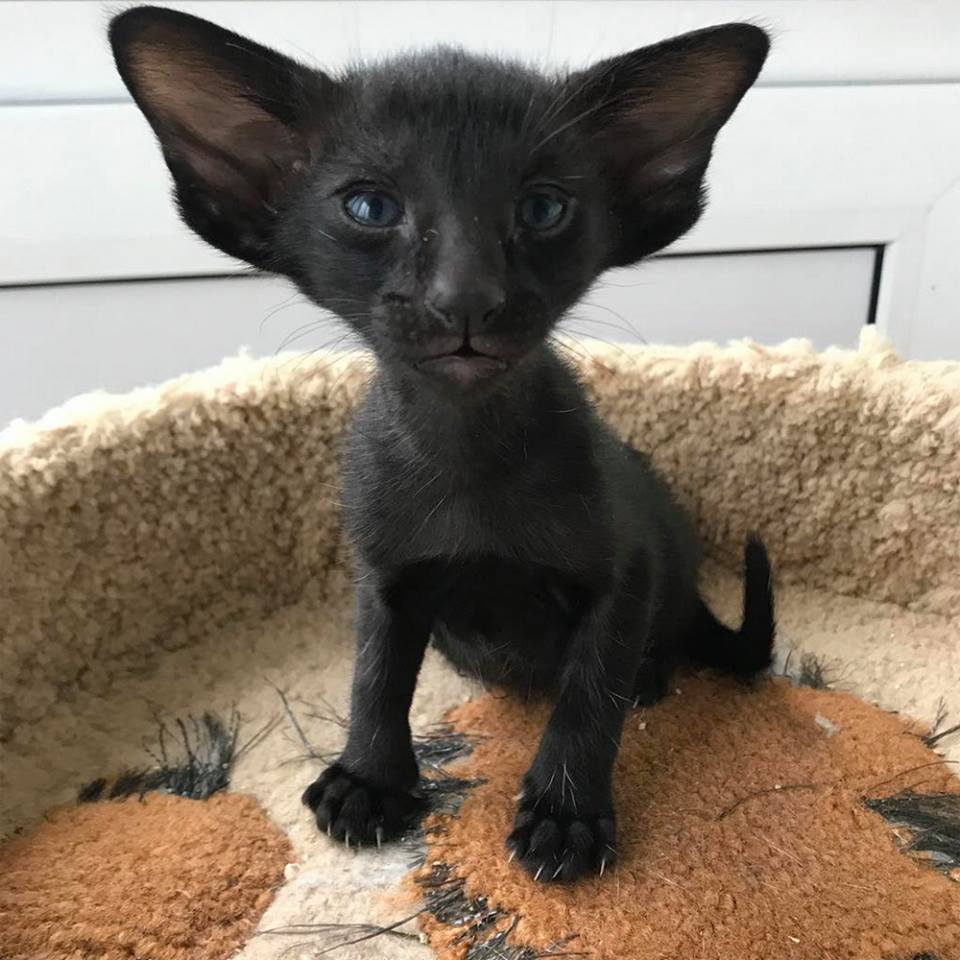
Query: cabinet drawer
[823, 295]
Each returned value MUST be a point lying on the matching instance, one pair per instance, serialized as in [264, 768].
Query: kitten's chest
[396, 517]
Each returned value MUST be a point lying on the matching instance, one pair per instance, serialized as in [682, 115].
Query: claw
[539, 871]
[513, 854]
[556, 873]
[346, 839]
[330, 829]
[379, 838]
[603, 865]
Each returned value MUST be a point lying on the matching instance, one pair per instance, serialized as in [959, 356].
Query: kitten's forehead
[463, 108]
[453, 77]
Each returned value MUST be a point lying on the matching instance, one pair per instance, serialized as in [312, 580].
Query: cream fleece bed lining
[177, 549]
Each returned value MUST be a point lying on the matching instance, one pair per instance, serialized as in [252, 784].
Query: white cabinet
[60, 340]
[849, 145]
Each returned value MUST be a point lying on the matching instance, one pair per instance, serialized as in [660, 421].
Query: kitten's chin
[463, 371]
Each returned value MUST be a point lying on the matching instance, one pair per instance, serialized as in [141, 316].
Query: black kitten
[451, 208]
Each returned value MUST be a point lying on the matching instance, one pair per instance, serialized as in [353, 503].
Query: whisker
[580, 318]
[294, 297]
[567, 96]
[579, 355]
[300, 333]
[330, 345]
[603, 306]
[566, 126]
[327, 317]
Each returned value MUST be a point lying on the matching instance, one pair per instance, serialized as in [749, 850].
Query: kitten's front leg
[368, 795]
[565, 824]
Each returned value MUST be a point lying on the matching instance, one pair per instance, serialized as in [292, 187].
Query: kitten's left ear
[653, 115]
[235, 121]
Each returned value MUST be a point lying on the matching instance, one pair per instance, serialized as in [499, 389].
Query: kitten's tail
[749, 650]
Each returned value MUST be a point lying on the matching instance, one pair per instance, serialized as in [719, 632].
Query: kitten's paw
[558, 847]
[354, 811]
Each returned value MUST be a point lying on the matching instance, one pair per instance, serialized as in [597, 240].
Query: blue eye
[541, 211]
[373, 208]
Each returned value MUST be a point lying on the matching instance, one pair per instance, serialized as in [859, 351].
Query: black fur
[933, 820]
[194, 761]
[488, 505]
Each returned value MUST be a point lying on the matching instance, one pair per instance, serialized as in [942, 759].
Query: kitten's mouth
[464, 366]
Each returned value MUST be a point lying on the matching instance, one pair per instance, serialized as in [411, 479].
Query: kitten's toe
[649, 691]
[560, 848]
[652, 683]
[354, 811]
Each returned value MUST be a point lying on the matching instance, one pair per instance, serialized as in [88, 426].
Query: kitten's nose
[465, 306]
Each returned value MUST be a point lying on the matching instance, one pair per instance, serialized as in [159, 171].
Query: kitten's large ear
[234, 119]
[654, 114]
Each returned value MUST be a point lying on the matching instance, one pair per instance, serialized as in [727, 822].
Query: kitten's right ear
[652, 115]
[236, 121]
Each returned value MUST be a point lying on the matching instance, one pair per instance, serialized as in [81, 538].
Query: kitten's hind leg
[702, 640]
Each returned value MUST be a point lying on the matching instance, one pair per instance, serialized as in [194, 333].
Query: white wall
[55, 50]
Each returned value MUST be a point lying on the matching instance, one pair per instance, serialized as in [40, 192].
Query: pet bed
[176, 651]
